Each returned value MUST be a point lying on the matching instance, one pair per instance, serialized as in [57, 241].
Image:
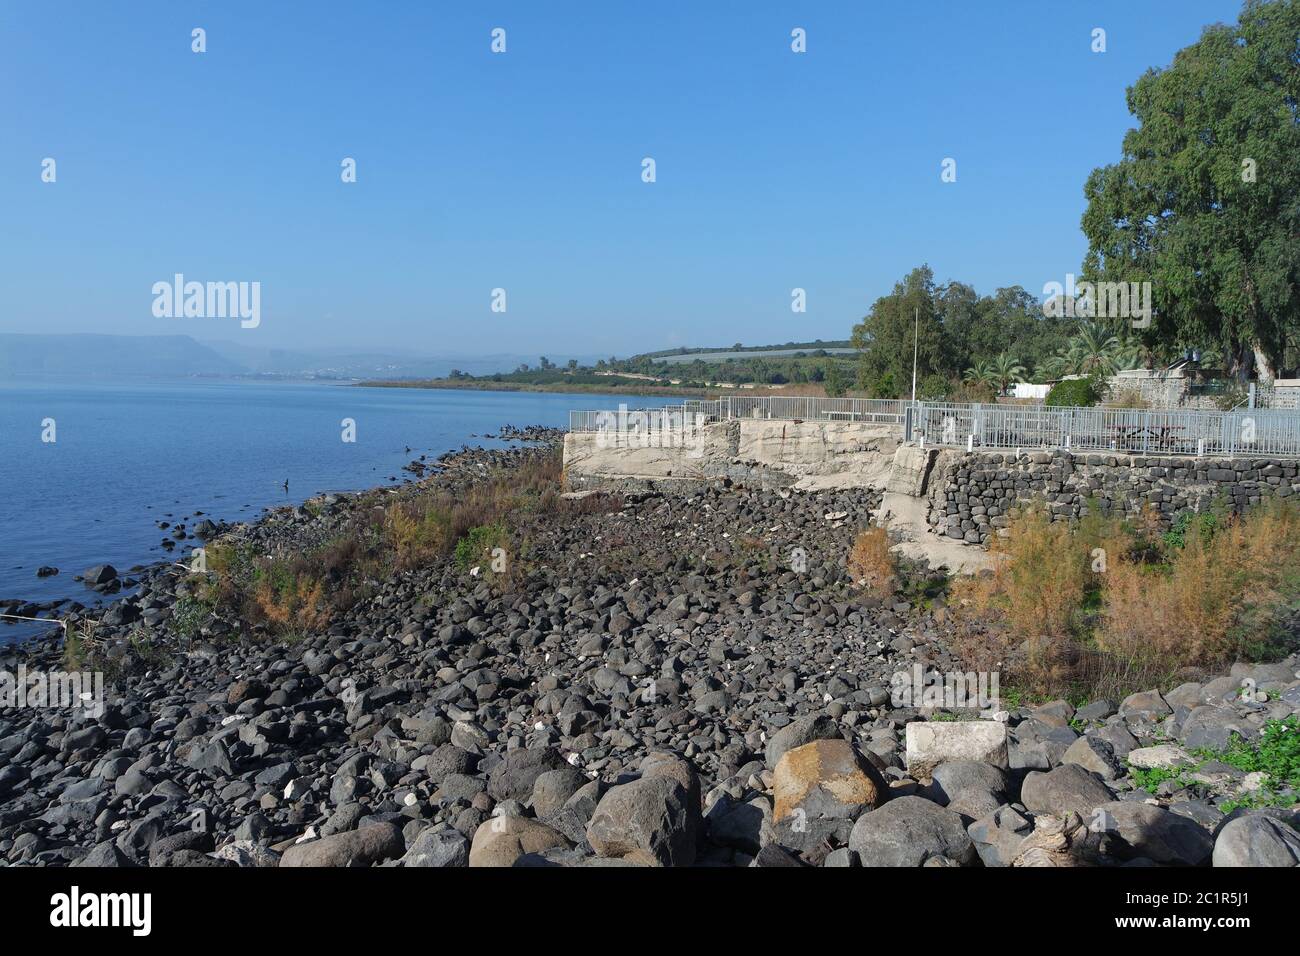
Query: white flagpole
[916, 334]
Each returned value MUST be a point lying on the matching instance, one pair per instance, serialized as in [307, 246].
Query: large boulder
[103, 855]
[651, 817]
[970, 788]
[364, 847]
[572, 818]
[1036, 745]
[802, 731]
[998, 835]
[1121, 741]
[448, 759]
[553, 788]
[738, 825]
[826, 778]
[1257, 839]
[502, 840]
[1095, 755]
[930, 743]
[438, 848]
[1068, 788]
[818, 790]
[513, 778]
[1146, 705]
[910, 831]
[212, 758]
[99, 575]
[1211, 727]
[1134, 830]
[1161, 756]
[660, 764]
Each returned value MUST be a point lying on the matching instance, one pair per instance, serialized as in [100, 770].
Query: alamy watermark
[74, 909]
[651, 429]
[76, 689]
[954, 690]
[208, 300]
[1101, 300]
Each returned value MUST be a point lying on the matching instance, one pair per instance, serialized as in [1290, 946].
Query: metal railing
[1242, 432]
[885, 411]
[888, 411]
[631, 420]
[1246, 432]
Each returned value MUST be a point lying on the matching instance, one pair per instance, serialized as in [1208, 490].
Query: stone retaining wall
[971, 493]
[756, 452]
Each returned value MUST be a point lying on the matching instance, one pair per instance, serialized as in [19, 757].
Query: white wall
[1029, 390]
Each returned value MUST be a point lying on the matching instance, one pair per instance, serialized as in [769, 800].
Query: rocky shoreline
[676, 675]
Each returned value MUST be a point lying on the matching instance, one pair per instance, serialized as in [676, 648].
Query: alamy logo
[1101, 300]
[956, 690]
[208, 300]
[650, 429]
[83, 689]
[75, 909]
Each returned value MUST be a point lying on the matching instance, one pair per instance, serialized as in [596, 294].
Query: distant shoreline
[558, 387]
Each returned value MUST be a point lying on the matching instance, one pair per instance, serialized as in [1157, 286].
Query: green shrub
[188, 616]
[1275, 752]
[479, 543]
[1074, 392]
[836, 381]
[886, 387]
[1202, 525]
[933, 388]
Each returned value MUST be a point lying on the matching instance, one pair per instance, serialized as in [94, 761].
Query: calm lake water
[128, 456]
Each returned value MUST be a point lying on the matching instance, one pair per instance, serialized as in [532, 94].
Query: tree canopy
[956, 329]
[1205, 202]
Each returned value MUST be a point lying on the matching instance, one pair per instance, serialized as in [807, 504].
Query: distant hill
[686, 354]
[93, 356]
[109, 356]
[342, 363]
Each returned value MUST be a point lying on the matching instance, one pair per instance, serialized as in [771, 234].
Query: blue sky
[522, 170]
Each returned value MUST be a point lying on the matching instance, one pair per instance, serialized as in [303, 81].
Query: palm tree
[1096, 348]
[1003, 371]
[1056, 366]
[978, 374]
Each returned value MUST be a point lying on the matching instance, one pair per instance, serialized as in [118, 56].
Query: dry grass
[415, 535]
[971, 392]
[297, 593]
[1110, 606]
[1034, 595]
[872, 563]
[1214, 601]
[292, 604]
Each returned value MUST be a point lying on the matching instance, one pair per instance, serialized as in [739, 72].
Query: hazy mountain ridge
[94, 356]
[108, 356]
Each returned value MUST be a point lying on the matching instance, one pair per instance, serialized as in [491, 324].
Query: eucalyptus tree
[1204, 202]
